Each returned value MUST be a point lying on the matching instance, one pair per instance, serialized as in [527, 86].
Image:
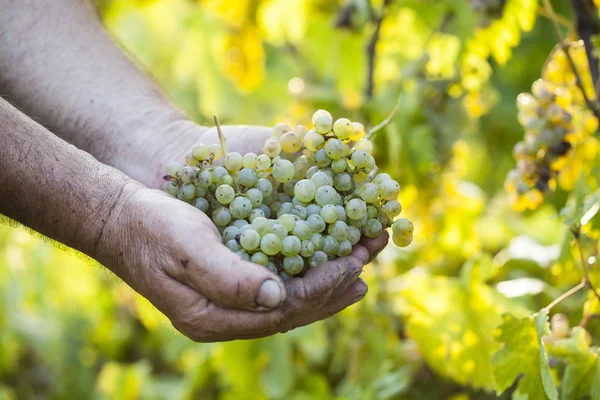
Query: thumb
[225, 279]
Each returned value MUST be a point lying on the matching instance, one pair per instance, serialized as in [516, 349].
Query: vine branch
[564, 44]
[565, 295]
[587, 25]
[559, 18]
[371, 47]
[584, 265]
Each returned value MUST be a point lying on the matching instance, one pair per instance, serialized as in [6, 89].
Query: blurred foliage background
[69, 329]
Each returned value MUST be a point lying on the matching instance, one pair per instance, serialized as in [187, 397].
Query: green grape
[286, 208]
[334, 149]
[402, 227]
[240, 207]
[218, 174]
[305, 190]
[233, 245]
[260, 258]
[288, 189]
[317, 259]
[402, 241]
[233, 161]
[380, 178]
[274, 207]
[202, 204]
[302, 230]
[356, 208]
[266, 210]
[389, 190]
[247, 177]
[243, 255]
[249, 160]
[338, 230]
[214, 203]
[280, 129]
[370, 165]
[329, 213]
[200, 191]
[272, 147]
[287, 221]
[300, 131]
[559, 326]
[341, 213]
[215, 150]
[262, 226]
[312, 171]
[255, 196]
[326, 195]
[358, 131]
[372, 211]
[330, 246]
[270, 244]
[249, 239]
[372, 228]
[225, 194]
[283, 171]
[364, 145]
[221, 216]
[299, 211]
[320, 112]
[240, 222]
[265, 186]
[360, 158]
[230, 232]
[392, 208]
[291, 246]
[272, 267]
[187, 191]
[321, 179]
[297, 202]
[263, 162]
[343, 129]
[190, 160]
[308, 248]
[256, 213]
[321, 158]
[174, 168]
[353, 235]
[317, 240]
[313, 141]
[293, 265]
[301, 166]
[200, 152]
[290, 142]
[313, 209]
[344, 249]
[339, 166]
[323, 124]
[280, 231]
[205, 178]
[187, 174]
[171, 187]
[316, 222]
[369, 193]
[342, 182]
[227, 180]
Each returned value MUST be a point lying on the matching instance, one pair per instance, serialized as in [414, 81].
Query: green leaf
[524, 354]
[477, 269]
[278, 377]
[452, 324]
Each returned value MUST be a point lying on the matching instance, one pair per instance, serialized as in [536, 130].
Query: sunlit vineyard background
[70, 330]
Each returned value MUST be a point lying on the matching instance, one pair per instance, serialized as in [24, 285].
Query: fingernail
[270, 294]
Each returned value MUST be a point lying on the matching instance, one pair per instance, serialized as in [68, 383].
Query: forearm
[52, 187]
[61, 67]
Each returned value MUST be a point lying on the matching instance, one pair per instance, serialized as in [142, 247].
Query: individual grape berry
[190, 160]
[326, 195]
[260, 258]
[283, 171]
[316, 222]
[330, 246]
[174, 168]
[339, 166]
[358, 131]
[317, 259]
[305, 190]
[285, 208]
[343, 129]
[233, 245]
[353, 235]
[302, 230]
[313, 141]
[249, 160]
[329, 213]
[240, 207]
[187, 191]
[230, 232]
[247, 177]
[201, 152]
[389, 190]
[218, 174]
[344, 249]
[313, 209]
[225, 194]
[290, 142]
[321, 179]
[270, 244]
[262, 226]
[256, 213]
[372, 228]
[335, 149]
[559, 326]
[360, 158]
[338, 230]
[187, 174]
[317, 240]
[392, 208]
[372, 211]
[233, 161]
[255, 196]
[287, 221]
[323, 124]
[343, 182]
[291, 246]
[299, 211]
[402, 241]
[341, 213]
[356, 208]
[240, 222]
[279, 129]
[215, 150]
[369, 192]
[244, 256]
[280, 231]
[171, 188]
[308, 249]
[263, 162]
[293, 265]
[265, 187]
[249, 239]
[402, 227]
[202, 204]
[364, 145]
[272, 147]
[221, 216]
[379, 178]
[312, 171]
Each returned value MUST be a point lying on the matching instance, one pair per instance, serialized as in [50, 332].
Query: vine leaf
[524, 354]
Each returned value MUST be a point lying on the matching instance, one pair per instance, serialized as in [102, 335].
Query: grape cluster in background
[559, 131]
[307, 199]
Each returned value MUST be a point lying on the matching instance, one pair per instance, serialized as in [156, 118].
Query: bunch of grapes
[487, 10]
[308, 198]
[557, 123]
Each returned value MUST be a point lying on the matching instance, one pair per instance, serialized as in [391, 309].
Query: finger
[225, 279]
[375, 245]
[318, 283]
[360, 255]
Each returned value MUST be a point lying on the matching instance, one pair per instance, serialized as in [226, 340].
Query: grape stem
[565, 295]
[564, 44]
[584, 265]
[559, 18]
[222, 139]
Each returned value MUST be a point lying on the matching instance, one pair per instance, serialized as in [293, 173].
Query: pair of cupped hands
[171, 253]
